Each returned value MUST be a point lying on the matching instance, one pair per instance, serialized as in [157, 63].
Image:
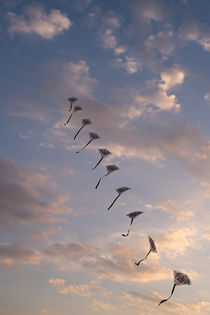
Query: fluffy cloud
[157, 99]
[25, 199]
[36, 21]
[11, 253]
[160, 99]
[171, 78]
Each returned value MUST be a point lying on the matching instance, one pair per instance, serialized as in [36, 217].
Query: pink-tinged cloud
[25, 199]
[115, 261]
[80, 290]
[18, 252]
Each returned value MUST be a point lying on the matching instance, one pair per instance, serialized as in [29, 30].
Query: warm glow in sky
[141, 72]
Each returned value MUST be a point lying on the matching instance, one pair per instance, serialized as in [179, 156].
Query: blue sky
[140, 72]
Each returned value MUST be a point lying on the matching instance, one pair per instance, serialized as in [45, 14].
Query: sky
[140, 71]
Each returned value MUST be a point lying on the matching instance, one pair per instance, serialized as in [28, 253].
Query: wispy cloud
[25, 199]
[18, 252]
[114, 263]
[80, 290]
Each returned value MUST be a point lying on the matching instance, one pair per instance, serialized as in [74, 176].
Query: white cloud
[46, 145]
[171, 78]
[36, 21]
[160, 99]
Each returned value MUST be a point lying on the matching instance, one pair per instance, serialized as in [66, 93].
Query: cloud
[72, 78]
[155, 97]
[183, 210]
[151, 140]
[44, 233]
[18, 252]
[176, 241]
[80, 290]
[108, 39]
[149, 10]
[36, 21]
[97, 306]
[24, 197]
[113, 263]
[207, 97]
[74, 252]
[160, 99]
[163, 42]
[46, 312]
[120, 50]
[130, 64]
[46, 145]
[137, 299]
[171, 78]
[195, 31]
[109, 19]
